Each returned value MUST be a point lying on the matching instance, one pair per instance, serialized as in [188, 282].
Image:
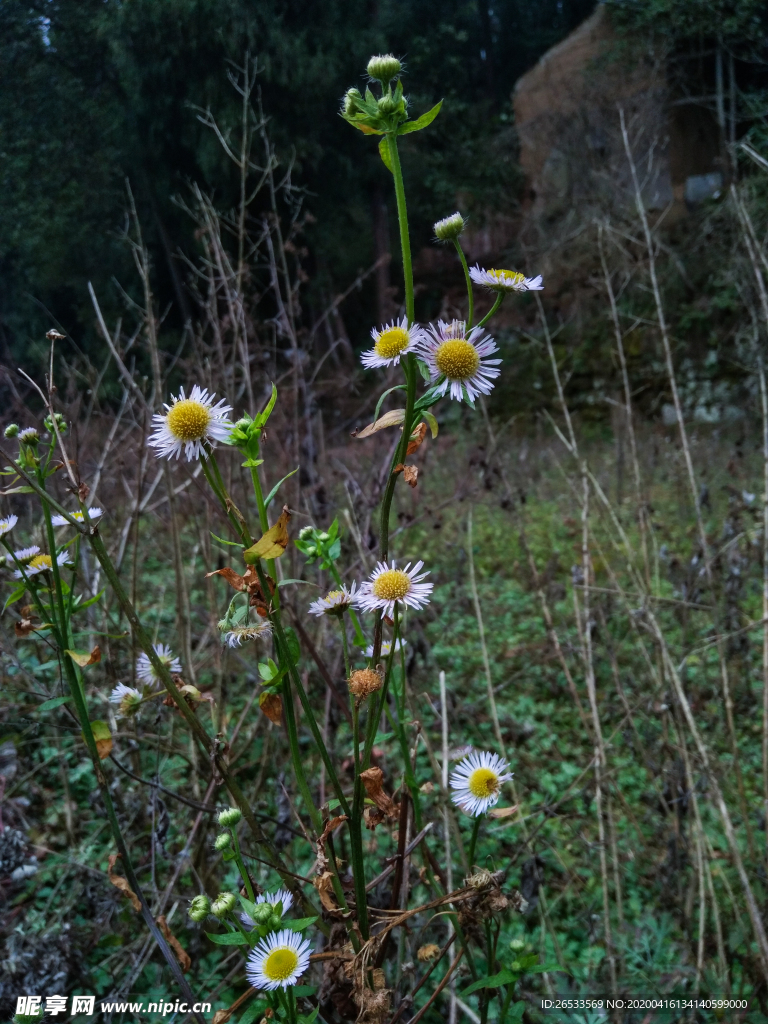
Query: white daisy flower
[7, 524]
[505, 280]
[391, 342]
[386, 648]
[388, 585]
[42, 563]
[189, 423]
[25, 554]
[461, 359]
[29, 435]
[336, 602]
[476, 781]
[93, 513]
[127, 697]
[145, 670]
[278, 960]
[240, 635]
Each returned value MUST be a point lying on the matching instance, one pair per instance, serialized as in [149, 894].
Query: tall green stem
[468, 279]
[492, 310]
[402, 218]
[473, 841]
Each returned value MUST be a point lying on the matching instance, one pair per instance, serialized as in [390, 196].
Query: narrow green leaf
[229, 543]
[79, 605]
[284, 583]
[276, 488]
[293, 644]
[494, 981]
[54, 702]
[421, 122]
[384, 154]
[252, 463]
[228, 939]
[432, 423]
[18, 593]
[397, 387]
[545, 968]
[254, 1010]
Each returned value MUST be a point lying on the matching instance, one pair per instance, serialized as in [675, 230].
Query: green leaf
[424, 370]
[252, 463]
[304, 990]
[517, 1010]
[384, 154]
[229, 543]
[54, 702]
[294, 648]
[253, 1011]
[421, 122]
[494, 981]
[79, 605]
[228, 855]
[432, 423]
[284, 583]
[397, 387]
[545, 968]
[262, 417]
[300, 923]
[308, 1018]
[228, 939]
[18, 593]
[273, 492]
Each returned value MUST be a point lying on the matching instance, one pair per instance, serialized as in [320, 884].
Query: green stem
[492, 310]
[345, 645]
[473, 842]
[402, 218]
[241, 866]
[62, 638]
[468, 279]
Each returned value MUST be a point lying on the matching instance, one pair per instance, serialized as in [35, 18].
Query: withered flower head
[364, 682]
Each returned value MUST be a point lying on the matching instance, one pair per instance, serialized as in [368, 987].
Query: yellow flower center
[511, 277]
[188, 420]
[483, 782]
[391, 342]
[334, 595]
[392, 585]
[281, 963]
[41, 562]
[457, 359]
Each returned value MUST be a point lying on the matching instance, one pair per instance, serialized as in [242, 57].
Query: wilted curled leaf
[103, 738]
[373, 780]
[372, 817]
[273, 543]
[122, 883]
[324, 885]
[410, 473]
[393, 418]
[417, 436]
[330, 826]
[272, 706]
[234, 579]
[503, 812]
[24, 627]
[82, 658]
[182, 955]
[250, 582]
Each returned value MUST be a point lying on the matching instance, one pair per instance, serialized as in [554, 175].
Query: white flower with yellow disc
[127, 698]
[278, 960]
[336, 602]
[389, 585]
[476, 781]
[189, 423]
[43, 563]
[93, 513]
[505, 280]
[391, 342]
[145, 670]
[7, 524]
[459, 358]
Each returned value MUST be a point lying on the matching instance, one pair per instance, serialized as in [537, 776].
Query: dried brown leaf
[417, 437]
[373, 780]
[393, 418]
[83, 658]
[122, 883]
[503, 812]
[182, 955]
[273, 543]
[272, 706]
[234, 579]
[330, 826]
[324, 885]
[372, 817]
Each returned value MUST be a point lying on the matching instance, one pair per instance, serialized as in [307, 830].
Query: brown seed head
[363, 682]
[428, 952]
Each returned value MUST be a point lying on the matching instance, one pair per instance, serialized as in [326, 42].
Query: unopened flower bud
[352, 102]
[29, 435]
[305, 532]
[224, 904]
[230, 817]
[516, 945]
[223, 841]
[262, 914]
[11, 430]
[243, 424]
[199, 908]
[384, 68]
[389, 105]
[323, 537]
[449, 228]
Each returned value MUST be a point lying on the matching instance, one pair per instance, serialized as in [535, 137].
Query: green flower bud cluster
[11, 430]
[376, 116]
[384, 68]
[322, 544]
[223, 841]
[61, 423]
